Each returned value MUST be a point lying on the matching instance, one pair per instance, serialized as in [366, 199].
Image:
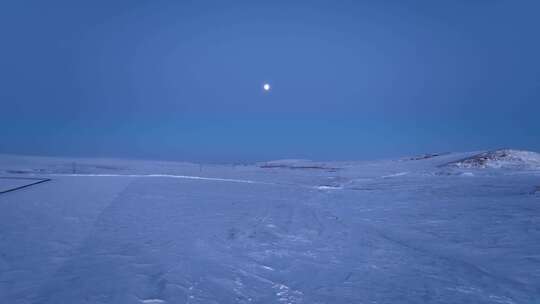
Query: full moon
[266, 87]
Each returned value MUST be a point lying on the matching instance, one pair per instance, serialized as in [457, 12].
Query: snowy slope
[505, 158]
[411, 230]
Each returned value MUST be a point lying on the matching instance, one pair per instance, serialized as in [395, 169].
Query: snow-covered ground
[415, 230]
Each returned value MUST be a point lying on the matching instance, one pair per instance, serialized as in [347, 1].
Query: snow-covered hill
[504, 158]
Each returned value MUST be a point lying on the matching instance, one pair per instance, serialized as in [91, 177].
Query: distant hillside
[504, 158]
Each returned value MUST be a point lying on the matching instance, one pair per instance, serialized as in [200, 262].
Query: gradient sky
[182, 80]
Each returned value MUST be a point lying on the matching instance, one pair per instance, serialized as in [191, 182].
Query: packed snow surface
[428, 229]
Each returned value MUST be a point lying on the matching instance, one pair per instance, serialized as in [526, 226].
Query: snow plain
[413, 230]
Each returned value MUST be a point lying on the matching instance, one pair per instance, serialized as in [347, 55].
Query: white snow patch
[287, 295]
[328, 187]
[395, 174]
[152, 301]
[267, 267]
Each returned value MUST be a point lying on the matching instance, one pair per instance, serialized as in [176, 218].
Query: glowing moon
[266, 87]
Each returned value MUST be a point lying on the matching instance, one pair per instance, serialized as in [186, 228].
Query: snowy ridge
[504, 158]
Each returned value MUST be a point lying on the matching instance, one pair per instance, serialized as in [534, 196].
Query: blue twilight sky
[182, 80]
